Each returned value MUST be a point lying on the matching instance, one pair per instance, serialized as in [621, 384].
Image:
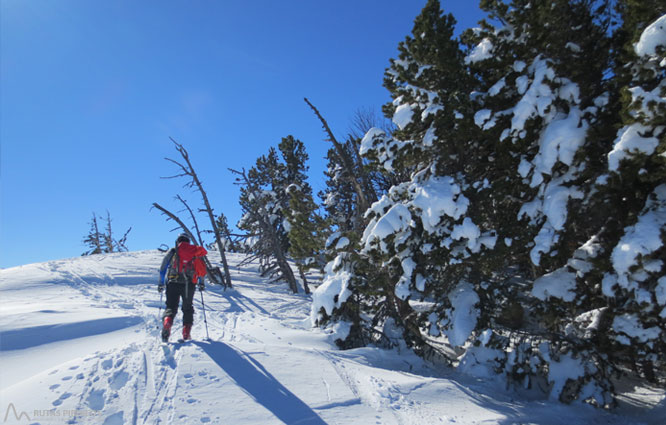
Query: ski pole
[204, 312]
[159, 313]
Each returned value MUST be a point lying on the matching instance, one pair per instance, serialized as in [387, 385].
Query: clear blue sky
[91, 91]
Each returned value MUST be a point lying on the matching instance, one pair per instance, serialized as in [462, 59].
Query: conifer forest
[507, 215]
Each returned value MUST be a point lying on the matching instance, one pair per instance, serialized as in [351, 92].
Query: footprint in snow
[107, 364]
[63, 396]
[95, 400]
[118, 380]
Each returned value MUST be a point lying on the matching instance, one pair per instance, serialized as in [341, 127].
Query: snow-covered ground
[79, 344]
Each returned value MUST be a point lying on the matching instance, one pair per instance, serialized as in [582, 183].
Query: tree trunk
[306, 287]
[280, 256]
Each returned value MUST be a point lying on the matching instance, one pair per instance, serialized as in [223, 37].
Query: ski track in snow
[80, 345]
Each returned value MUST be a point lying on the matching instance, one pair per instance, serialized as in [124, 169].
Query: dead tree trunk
[360, 187]
[214, 274]
[188, 171]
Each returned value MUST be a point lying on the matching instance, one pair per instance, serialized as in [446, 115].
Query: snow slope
[79, 344]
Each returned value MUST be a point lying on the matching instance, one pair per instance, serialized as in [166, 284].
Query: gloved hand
[160, 288]
[201, 287]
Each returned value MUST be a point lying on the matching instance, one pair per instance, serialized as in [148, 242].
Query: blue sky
[91, 91]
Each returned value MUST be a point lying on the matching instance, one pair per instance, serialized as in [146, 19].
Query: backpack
[191, 272]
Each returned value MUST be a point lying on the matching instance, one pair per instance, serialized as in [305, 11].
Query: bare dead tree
[214, 273]
[104, 242]
[364, 119]
[355, 175]
[121, 243]
[187, 170]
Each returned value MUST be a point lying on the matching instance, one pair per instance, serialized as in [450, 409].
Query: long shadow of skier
[258, 383]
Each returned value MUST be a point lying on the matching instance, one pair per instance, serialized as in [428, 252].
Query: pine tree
[94, 238]
[303, 225]
[223, 227]
[419, 228]
[629, 259]
[399, 244]
[268, 206]
[542, 104]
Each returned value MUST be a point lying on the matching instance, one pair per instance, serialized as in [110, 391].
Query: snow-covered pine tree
[335, 302]
[338, 196]
[630, 249]
[263, 218]
[422, 216]
[351, 187]
[542, 104]
[266, 200]
[422, 232]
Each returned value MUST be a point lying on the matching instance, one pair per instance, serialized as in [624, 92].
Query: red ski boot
[166, 328]
[186, 332]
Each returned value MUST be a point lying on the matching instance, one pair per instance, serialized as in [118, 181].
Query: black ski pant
[174, 293]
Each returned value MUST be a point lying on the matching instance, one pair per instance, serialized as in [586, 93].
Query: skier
[182, 267]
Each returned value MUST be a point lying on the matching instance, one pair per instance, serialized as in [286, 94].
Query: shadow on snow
[257, 382]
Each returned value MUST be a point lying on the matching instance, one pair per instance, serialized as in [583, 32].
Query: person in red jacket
[179, 268]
